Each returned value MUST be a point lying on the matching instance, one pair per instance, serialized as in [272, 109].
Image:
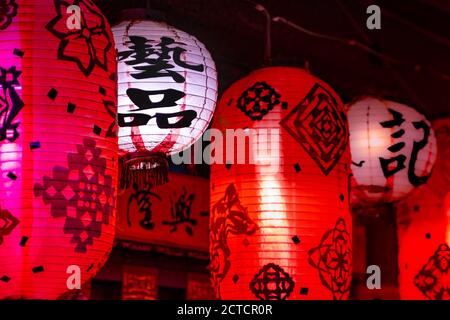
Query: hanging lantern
[280, 223]
[167, 95]
[58, 147]
[423, 222]
[393, 150]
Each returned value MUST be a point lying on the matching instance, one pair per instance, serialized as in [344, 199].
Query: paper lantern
[423, 222]
[393, 150]
[167, 95]
[58, 147]
[281, 227]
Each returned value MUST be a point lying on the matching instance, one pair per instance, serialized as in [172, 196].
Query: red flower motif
[87, 46]
[8, 10]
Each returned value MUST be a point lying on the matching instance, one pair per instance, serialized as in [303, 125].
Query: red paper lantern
[58, 145]
[282, 231]
[424, 230]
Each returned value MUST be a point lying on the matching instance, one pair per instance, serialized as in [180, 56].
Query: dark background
[416, 32]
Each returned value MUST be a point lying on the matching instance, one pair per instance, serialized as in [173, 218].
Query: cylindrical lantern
[280, 223]
[167, 95]
[423, 222]
[58, 147]
[393, 150]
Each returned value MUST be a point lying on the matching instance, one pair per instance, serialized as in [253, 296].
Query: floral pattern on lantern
[58, 154]
[288, 210]
[93, 36]
[333, 259]
[258, 100]
[393, 150]
[8, 10]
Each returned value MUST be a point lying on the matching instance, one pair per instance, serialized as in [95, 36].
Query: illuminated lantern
[423, 222]
[393, 150]
[58, 146]
[167, 95]
[280, 222]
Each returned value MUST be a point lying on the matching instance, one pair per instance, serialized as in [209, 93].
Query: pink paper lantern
[58, 146]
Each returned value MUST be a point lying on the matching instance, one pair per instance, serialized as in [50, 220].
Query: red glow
[272, 222]
[58, 175]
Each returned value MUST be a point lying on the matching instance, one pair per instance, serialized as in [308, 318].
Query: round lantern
[167, 95]
[58, 146]
[393, 150]
[280, 223]
[423, 222]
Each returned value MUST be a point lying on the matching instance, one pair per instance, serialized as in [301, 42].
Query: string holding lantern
[58, 164]
[276, 231]
[393, 150]
[167, 94]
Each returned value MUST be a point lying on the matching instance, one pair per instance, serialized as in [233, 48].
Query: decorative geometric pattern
[258, 100]
[87, 46]
[333, 259]
[433, 280]
[229, 217]
[81, 193]
[10, 103]
[272, 283]
[318, 124]
[7, 224]
[8, 10]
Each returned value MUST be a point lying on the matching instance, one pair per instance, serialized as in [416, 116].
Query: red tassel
[144, 170]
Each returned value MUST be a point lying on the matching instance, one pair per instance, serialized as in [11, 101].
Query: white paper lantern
[393, 150]
[167, 84]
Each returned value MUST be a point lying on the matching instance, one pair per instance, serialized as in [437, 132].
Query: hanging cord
[357, 44]
[268, 46]
[401, 81]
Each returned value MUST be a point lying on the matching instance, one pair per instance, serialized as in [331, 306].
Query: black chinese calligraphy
[397, 162]
[417, 146]
[10, 104]
[143, 198]
[153, 59]
[258, 100]
[142, 99]
[181, 212]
